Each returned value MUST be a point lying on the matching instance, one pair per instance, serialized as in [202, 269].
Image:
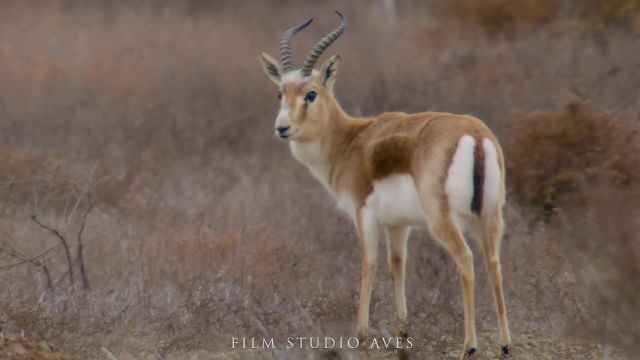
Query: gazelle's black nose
[282, 129]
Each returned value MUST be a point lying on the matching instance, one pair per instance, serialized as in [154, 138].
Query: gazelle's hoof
[403, 354]
[506, 351]
[469, 354]
[402, 343]
[402, 329]
[365, 333]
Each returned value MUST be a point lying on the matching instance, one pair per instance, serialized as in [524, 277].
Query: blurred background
[146, 208]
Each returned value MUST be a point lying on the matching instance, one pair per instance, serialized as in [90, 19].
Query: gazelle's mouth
[286, 135]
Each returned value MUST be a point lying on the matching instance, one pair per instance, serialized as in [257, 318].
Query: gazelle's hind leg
[448, 234]
[491, 237]
[397, 258]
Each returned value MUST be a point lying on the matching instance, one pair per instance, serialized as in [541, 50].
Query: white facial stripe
[283, 119]
[284, 107]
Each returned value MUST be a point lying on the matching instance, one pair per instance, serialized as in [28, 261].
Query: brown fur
[390, 156]
[372, 148]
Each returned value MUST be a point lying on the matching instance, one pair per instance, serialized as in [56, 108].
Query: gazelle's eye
[279, 95]
[311, 95]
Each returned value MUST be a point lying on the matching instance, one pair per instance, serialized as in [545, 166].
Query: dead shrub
[596, 15]
[550, 155]
[599, 238]
[22, 349]
[503, 16]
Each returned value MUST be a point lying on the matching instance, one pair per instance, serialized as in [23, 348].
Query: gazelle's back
[403, 150]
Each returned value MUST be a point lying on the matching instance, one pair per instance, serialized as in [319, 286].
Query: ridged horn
[322, 45]
[285, 45]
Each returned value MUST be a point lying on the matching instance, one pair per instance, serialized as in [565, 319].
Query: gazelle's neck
[316, 153]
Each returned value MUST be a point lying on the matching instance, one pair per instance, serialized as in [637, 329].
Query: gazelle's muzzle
[283, 123]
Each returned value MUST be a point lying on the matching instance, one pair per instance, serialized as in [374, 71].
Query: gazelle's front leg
[397, 259]
[367, 227]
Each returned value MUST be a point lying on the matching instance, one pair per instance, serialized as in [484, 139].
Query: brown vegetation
[21, 349]
[602, 235]
[596, 15]
[566, 154]
[503, 17]
[202, 224]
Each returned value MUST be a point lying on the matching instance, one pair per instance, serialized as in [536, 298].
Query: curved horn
[322, 45]
[285, 45]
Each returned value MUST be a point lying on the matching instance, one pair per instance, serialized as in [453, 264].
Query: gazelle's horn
[285, 45]
[322, 45]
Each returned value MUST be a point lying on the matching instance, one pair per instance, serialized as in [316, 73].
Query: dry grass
[21, 349]
[602, 237]
[503, 17]
[596, 15]
[553, 156]
[198, 230]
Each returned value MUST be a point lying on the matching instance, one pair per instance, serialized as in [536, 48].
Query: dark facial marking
[328, 73]
[273, 70]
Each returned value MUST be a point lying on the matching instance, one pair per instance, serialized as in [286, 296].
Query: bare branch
[24, 260]
[6, 201]
[110, 356]
[83, 273]
[86, 186]
[47, 275]
[55, 285]
[64, 243]
[34, 260]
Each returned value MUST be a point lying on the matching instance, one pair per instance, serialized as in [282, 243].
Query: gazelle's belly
[395, 201]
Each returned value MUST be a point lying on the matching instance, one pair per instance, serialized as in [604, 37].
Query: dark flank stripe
[478, 177]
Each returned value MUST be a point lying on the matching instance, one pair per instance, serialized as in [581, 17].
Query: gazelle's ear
[329, 70]
[271, 67]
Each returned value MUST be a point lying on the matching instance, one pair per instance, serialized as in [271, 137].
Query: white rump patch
[459, 184]
[395, 201]
[492, 177]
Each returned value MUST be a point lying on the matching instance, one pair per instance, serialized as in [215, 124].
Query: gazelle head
[305, 95]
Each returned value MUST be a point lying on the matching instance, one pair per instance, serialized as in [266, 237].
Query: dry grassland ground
[146, 209]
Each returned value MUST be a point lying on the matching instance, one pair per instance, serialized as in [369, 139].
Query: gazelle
[395, 171]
